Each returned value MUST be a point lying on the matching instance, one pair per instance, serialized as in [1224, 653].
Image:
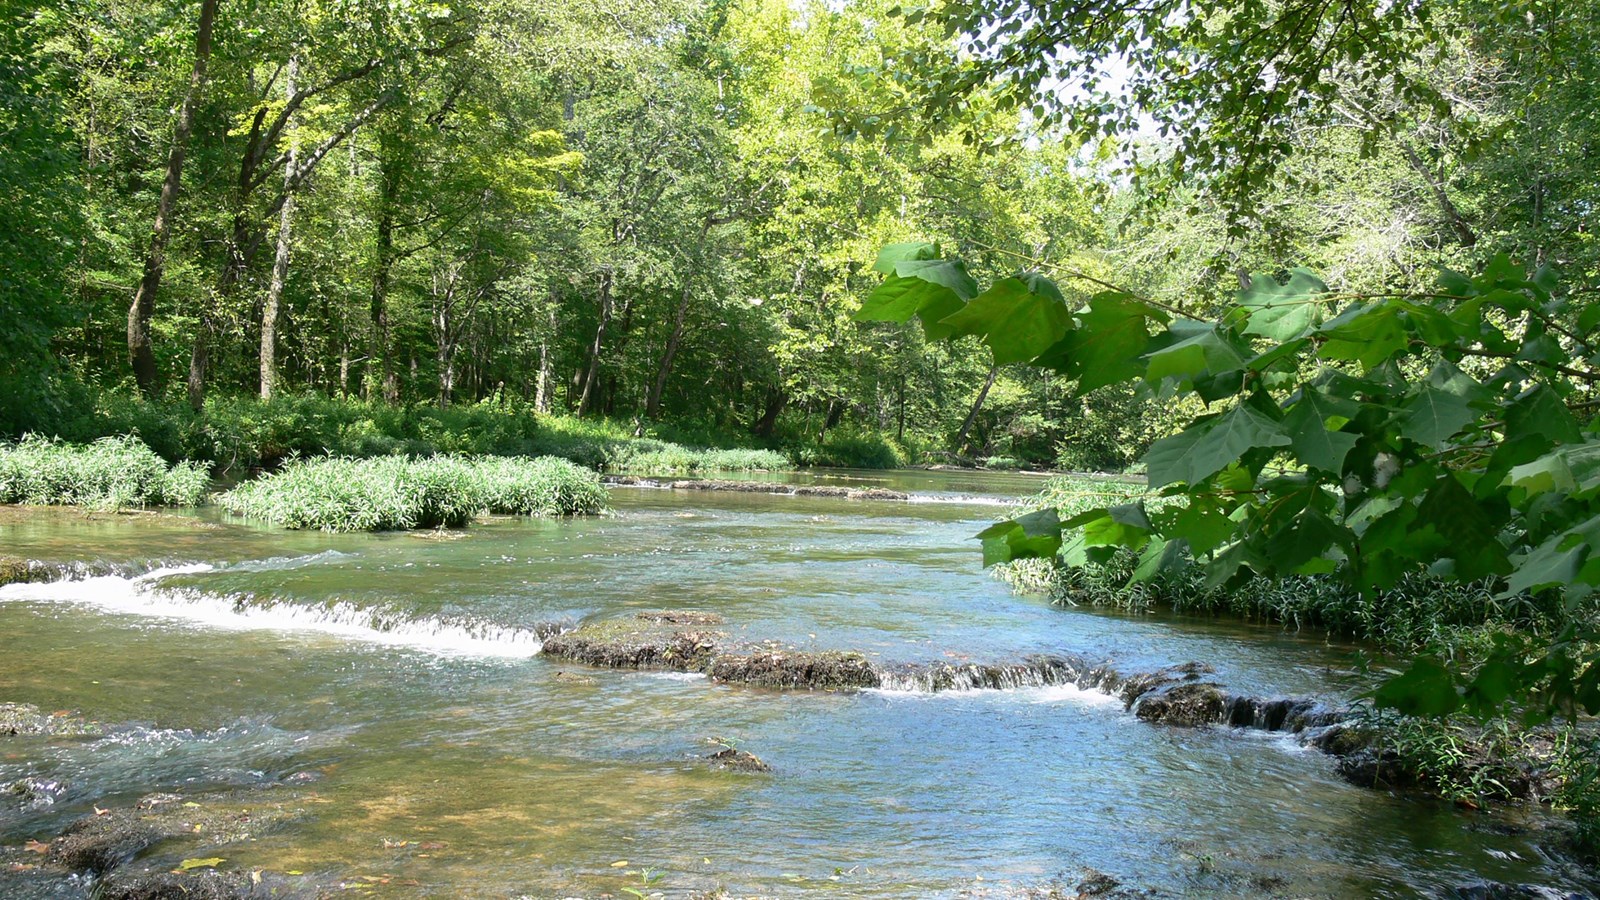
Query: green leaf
[1473, 538]
[1539, 411]
[1206, 351]
[1201, 525]
[1036, 535]
[1369, 335]
[1106, 346]
[1427, 688]
[1574, 470]
[1313, 425]
[929, 288]
[1282, 312]
[1121, 526]
[894, 254]
[1203, 450]
[1434, 416]
[1019, 318]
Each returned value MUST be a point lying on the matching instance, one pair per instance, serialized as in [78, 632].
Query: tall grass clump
[109, 473]
[399, 492]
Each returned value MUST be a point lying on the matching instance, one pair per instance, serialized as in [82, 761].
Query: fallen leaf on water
[394, 845]
[619, 864]
[23, 867]
[36, 847]
[255, 876]
[210, 862]
[191, 805]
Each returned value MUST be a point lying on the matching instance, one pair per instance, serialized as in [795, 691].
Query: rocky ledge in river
[759, 487]
[1183, 696]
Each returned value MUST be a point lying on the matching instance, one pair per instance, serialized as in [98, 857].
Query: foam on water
[142, 595]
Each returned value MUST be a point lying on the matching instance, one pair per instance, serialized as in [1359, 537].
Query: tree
[144, 297]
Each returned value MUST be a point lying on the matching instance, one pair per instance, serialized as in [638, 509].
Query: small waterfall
[1291, 714]
[143, 595]
[1036, 672]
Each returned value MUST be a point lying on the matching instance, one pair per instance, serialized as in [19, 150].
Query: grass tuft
[397, 492]
[110, 473]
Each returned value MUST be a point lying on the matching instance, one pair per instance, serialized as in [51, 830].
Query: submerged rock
[830, 670]
[26, 719]
[646, 641]
[680, 617]
[33, 793]
[100, 843]
[738, 761]
[104, 841]
[202, 885]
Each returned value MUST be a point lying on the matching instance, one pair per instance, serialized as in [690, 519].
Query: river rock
[1187, 704]
[33, 793]
[104, 841]
[738, 761]
[202, 885]
[829, 671]
[26, 719]
[645, 641]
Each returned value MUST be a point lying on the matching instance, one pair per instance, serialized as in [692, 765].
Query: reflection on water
[401, 669]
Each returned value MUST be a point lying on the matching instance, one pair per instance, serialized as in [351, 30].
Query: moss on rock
[830, 670]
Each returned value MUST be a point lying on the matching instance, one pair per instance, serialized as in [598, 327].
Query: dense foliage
[394, 493]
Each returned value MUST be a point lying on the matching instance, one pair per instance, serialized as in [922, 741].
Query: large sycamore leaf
[1282, 312]
[1427, 688]
[1036, 535]
[1313, 424]
[1369, 335]
[1019, 318]
[1434, 416]
[1106, 347]
[1201, 350]
[928, 288]
[1203, 450]
[1574, 470]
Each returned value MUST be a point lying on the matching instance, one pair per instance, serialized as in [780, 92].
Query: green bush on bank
[849, 449]
[109, 473]
[399, 492]
[233, 433]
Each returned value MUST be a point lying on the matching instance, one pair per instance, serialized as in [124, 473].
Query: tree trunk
[381, 353]
[652, 404]
[777, 399]
[144, 297]
[541, 402]
[280, 262]
[587, 396]
[961, 436]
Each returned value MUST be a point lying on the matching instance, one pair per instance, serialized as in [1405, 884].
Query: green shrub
[108, 473]
[398, 492]
[854, 450]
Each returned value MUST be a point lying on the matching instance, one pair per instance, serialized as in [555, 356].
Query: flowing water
[404, 670]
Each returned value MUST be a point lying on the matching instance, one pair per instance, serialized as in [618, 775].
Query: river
[403, 671]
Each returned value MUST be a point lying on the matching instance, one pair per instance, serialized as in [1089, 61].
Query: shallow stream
[403, 670]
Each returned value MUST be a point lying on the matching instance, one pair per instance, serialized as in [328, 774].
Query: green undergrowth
[397, 492]
[1455, 757]
[233, 433]
[109, 473]
[850, 449]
